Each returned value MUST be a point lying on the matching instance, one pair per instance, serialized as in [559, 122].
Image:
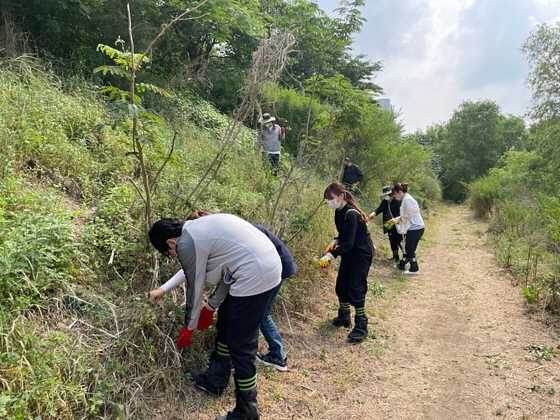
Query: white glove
[325, 260]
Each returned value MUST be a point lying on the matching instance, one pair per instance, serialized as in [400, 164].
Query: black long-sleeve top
[390, 210]
[353, 236]
[351, 175]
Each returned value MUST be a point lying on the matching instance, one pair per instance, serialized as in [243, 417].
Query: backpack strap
[349, 210]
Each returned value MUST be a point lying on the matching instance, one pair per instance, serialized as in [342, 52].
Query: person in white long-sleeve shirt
[225, 251]
[411, 217]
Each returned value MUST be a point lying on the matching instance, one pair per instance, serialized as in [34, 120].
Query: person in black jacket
[389, 208]
[356, 250]
[352, 175]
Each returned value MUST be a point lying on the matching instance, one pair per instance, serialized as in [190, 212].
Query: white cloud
[438, 53]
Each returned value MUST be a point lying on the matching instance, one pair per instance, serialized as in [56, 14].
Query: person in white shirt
[411, 223]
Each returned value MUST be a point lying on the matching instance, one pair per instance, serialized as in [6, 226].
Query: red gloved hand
[357, 183]
[184, 338]
[205, 318]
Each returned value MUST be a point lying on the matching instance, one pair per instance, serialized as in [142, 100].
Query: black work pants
[351, 282]
[395, 239]
[411, 240]
[239, 319]
[274, 159]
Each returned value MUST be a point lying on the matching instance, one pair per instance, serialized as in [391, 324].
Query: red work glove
[357, 183]
[205, 318]
[331, 246]
[184, 338]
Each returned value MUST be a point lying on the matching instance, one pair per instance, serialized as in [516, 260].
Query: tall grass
[525, 227]
[79, 338]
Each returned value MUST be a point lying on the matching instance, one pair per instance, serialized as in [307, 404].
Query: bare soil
[455, 342]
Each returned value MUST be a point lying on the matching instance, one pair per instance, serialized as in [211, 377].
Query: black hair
[162, 230]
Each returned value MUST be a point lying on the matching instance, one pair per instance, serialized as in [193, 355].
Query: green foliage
[39, 252]
[524, 212]
[38, 385]
[474, 140]
[301, 115]
[324, 44]
[541, 49]
[540, 353]
[482, 195]
[531, 293]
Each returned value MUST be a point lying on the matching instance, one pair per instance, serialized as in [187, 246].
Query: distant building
[384, 104]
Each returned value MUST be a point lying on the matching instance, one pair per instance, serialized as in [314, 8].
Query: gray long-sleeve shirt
[226, 250]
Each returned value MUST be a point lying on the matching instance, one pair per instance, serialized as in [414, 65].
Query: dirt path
[452, 343]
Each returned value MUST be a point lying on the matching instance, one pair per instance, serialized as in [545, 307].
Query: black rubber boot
[246, 406]
[414, 266]
[216, 378]
[360, 332]
[402, 264]
[343, 318]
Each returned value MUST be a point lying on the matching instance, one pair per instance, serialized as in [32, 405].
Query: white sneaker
[411, 273]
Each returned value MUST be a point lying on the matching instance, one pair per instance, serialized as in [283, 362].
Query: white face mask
[387, 197]
[268, 124]
[333, 204]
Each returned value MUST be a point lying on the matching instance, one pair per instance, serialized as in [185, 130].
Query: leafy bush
[40, 251]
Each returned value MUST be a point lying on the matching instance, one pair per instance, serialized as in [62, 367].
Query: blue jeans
[269, 330]
[274, 159]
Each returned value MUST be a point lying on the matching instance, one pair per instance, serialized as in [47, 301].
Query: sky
[439, 53]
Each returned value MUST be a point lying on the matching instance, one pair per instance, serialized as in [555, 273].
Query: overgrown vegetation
[82, 175]
[520, 195]
[79, 337]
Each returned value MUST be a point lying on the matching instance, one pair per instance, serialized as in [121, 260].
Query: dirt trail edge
[454, 343]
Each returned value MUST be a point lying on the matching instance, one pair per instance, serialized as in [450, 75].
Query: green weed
[538, 353]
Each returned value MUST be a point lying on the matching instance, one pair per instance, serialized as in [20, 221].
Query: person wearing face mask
[389, 208]
[269, 140]
[355, 248]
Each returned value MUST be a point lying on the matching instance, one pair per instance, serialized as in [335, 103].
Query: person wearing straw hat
[269, 140]
[389, 208]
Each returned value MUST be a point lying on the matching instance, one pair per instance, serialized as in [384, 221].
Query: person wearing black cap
[389, 208]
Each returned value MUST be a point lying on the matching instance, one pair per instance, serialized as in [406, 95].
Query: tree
[474, 139]
[542, 49]
[430, 140]
[324, 44]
